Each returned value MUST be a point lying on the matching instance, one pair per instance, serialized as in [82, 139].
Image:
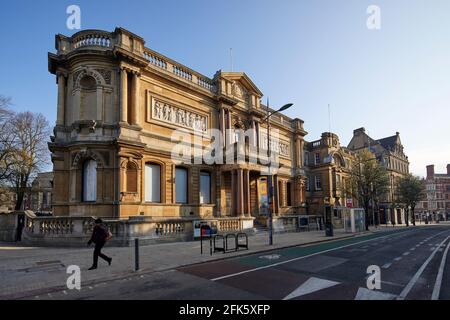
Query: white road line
[296, 259]
[438, 283]
[419, 272]
[398, 259]
[387, 265]
[406, 253]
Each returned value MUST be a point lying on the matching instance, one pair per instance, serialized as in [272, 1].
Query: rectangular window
[306, 160]
[317, 158]
[152, 183]
[289, 194]
[307, 184]
[318, 183]
[181, 185]
[205, 187]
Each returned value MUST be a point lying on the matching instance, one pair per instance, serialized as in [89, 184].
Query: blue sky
[309, 52]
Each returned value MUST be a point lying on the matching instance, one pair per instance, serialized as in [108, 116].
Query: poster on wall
[263, 197]
[204, 228]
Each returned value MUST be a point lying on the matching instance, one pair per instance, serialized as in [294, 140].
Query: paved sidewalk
[32, 269]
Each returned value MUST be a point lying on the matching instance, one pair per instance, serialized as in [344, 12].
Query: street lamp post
[269, 165]
[373, 205]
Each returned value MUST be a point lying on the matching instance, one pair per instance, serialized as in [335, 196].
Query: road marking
[398, 259]
[406, 253]
[419, 272]
[309, 286]
[298, 258]
[438, 283]
[271, 257]
[366, 294]
[387, 265]
[412, 249]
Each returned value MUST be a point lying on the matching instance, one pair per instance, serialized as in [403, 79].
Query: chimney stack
[358, 131]
[430, 171]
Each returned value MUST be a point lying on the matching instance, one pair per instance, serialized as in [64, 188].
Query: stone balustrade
[94, 38]
[230, 224]
[126, 42]
[169, 228]
[76, 231]
[157, 60]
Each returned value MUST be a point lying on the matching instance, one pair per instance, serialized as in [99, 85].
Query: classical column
[123, 95]
[257, 133]
[247, 192]
[298, 153]
[222, 125]
[61, 99]
[99, 103]
[276, 195]
[233, 193]
[240, 191]
[253, 137]
[136, 87]
[229, 139]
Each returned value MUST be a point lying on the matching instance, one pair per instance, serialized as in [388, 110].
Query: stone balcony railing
[131, 44]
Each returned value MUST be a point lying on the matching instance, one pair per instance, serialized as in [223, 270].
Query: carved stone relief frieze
[165, 112]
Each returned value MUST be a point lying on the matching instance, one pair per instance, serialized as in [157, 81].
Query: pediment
[242, 84]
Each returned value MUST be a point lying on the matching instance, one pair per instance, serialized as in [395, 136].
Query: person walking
[99, 236]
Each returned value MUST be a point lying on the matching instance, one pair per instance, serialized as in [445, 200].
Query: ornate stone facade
[119, 104]
[390, 154]
[328, 170]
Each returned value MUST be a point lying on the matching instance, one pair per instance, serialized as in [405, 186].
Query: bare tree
[31, 132]
[6, 139]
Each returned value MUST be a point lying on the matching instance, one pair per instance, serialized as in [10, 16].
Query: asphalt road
[412, 264]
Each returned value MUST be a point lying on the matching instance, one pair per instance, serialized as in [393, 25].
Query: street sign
[349, 203]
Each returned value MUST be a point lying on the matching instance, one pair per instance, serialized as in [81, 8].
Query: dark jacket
[99, 234]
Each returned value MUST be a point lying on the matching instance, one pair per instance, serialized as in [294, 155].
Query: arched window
[205, 187]
[131, 177]
[89, 181]
[181, 185]
[152, 182]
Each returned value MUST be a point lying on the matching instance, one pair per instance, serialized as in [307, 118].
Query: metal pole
[136, 254]
[269, 177]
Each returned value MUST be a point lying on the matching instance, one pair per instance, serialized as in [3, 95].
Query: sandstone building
[119, 105]
[328, 170]
[390, 154]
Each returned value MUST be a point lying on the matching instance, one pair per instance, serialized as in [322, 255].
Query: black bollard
[136, 254]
